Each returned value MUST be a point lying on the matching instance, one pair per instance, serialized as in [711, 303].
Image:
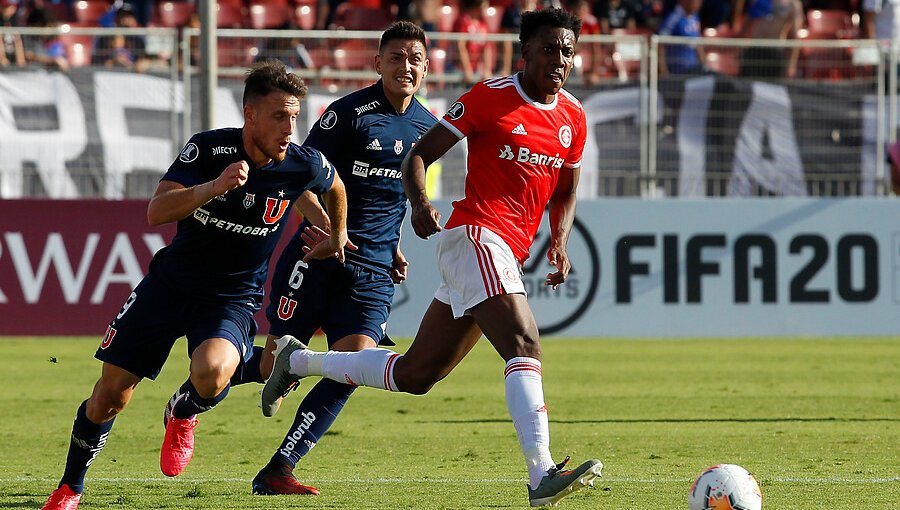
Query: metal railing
[728, 129]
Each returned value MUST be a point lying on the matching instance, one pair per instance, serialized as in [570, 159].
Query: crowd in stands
[474, 57]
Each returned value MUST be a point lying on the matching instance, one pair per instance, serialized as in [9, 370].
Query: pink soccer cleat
[178, 445]
[62, 499]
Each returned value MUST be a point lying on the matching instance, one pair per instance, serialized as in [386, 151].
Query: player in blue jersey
[366, 134]
[229, 190]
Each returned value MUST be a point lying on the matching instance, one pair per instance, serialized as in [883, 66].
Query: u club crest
[249, 200]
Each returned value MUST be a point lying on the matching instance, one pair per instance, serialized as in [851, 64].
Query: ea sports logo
[556, 310]
[565, 136]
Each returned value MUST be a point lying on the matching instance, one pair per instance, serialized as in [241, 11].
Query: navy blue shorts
[141, 336]
[341, 299]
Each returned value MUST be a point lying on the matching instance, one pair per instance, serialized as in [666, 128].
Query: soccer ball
[725, 487]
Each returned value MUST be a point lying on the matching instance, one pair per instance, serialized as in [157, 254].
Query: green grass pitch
[816, 420]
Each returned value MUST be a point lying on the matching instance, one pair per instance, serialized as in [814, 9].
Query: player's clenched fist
[426, 220]
[234, 176]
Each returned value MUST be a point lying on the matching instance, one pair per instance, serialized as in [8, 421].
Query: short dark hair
[269, 76]
[553, 18]
[403, 31]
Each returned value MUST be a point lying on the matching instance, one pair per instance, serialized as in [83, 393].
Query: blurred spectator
[715, 13]
[770, 19]
[141, 9]
[47, 50]
[683, 21]
[474, 54]
[286, 49]
[425, 13]
[618, 14]
[894, 162]
[12, 51]
[127, 51]
[325, 12]
[881, 19]
[591, 52]
[510, 24]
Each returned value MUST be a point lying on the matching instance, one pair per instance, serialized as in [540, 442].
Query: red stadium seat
[493, 15]
[305, 17]
[351, 17]
[626, 56]
[174, 14]
[236, 52]
[353, 56]
[269, 15]
[229, 15]
[830, 24]
[448, 15]
[723, 60]
[88, 12]
[79, 49]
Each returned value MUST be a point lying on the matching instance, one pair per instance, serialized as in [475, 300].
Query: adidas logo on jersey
[519, 130]
[374, 145]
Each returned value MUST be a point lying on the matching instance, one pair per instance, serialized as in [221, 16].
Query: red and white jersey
[517, 147]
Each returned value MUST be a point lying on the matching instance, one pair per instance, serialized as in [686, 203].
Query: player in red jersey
[526, 138]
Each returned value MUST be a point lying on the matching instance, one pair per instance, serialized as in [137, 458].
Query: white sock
[369, 367]
[525, 400]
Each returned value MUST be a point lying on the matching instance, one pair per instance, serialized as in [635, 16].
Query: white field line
[611, 479]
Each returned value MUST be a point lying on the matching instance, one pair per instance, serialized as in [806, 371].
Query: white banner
[686, 268]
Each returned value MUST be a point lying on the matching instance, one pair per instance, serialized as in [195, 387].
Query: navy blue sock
[314, 417]
[249, 370]
[87, 440]
[190, 403]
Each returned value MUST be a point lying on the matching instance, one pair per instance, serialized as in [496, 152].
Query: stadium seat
[448, 15]
[270, 14]
[723, 59]
[830, 24]
[61, 11]
[626, 56]
[236, 52]
[88, 12]
[229, 16]
[353, 55]
[79, 49]
[351, 17]
[492, 18]
[174, 14]
[305, 16]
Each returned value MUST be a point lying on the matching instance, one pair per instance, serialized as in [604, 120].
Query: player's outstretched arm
[562, 215]
[173, 202]
[425, 219]
[336, 205]
[308, 206]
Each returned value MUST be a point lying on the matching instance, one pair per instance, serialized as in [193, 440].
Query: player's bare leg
[509, 324]
[313, 418]
[93, 422]
[440, 344]
[213, 363]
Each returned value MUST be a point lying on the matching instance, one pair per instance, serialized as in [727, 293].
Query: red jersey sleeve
[578, 139]
[465, 115]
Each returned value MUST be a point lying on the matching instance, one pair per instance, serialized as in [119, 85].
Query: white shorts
[475, 264]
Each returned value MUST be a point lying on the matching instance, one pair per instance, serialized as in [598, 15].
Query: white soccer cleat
[558, 484]
[282, 381]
